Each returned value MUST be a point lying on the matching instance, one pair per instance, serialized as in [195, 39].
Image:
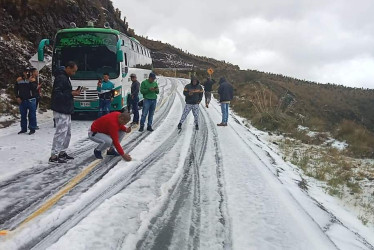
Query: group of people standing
[193, 93]
[28, 92]
[109, 129]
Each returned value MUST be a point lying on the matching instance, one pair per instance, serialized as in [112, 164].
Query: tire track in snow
[52, 234]
[224, 217]
[333, 219]
[179, 220]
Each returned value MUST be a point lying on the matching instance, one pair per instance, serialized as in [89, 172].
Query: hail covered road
[215, 188]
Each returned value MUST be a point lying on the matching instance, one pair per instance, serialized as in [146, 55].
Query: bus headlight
[117, 92]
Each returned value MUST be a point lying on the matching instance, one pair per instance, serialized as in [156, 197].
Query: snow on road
[215, 188]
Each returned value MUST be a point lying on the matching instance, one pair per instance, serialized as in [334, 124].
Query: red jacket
[109, 125]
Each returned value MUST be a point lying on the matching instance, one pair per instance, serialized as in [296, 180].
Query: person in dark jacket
[62, 104]
[208, 85]
[135, 87]
[194, 94]
[24, 91]
[226, 94]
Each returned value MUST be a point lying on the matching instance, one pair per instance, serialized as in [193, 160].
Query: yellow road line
[62, 192]
[49, 203]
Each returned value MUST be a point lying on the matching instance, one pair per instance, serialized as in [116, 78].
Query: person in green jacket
[149, 89]
[105, 90]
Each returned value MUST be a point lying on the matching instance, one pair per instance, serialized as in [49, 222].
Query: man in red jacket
[109, 130]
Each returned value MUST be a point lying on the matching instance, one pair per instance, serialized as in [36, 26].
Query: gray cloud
[324, 41]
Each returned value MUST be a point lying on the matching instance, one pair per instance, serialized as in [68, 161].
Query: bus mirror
[123, 42]
[42, 44]
[126, 70]
[119, 55]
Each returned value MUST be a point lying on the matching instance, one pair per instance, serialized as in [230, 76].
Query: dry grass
[359, 139]
[347, 178]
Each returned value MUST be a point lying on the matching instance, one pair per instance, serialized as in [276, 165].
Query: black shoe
[111, 151]
[179, 125]
[56, 159]
[149, 128]
[32, 131]
[197, 127]
[65, 156]
[97, 154]
[22, 132]
[37, 127]
[141, 129]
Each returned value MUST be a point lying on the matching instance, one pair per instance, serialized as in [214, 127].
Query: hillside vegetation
[282, 104]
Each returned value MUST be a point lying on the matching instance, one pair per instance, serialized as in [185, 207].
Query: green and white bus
[96, 51]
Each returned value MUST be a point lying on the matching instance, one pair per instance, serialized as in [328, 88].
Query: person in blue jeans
[226, 94]
[135, 87]
[24, 91]
[149, 89]
[105, 90]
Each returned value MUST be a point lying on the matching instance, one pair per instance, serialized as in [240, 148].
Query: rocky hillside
[23, 23]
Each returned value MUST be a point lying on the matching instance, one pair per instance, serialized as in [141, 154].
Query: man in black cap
[149, 89]
[24, 92]
[135, 86]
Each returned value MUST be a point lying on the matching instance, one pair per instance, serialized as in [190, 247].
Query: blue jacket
[106, 90]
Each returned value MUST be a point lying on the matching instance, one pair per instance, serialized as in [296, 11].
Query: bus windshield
[93, 52]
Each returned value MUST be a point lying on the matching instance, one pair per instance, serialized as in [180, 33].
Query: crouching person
[108, 131]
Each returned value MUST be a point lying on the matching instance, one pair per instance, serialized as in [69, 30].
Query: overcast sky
[318, 40]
